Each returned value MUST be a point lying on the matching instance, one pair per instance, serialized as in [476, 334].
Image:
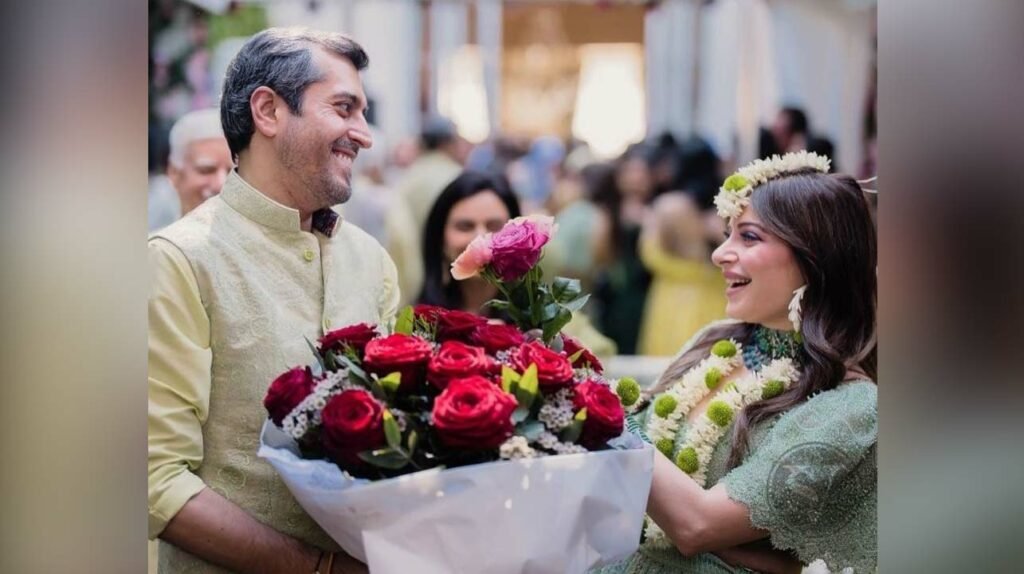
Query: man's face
[319, 146]
[201, 175]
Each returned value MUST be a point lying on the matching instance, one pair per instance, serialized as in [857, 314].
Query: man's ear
[266, 111]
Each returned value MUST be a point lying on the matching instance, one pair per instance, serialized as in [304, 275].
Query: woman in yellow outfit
[686, 291]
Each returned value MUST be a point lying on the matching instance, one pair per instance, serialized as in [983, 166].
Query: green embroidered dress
[810, 480]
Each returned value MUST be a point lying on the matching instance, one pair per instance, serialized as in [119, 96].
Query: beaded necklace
[768, 345]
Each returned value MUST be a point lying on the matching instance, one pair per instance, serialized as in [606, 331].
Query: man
[200, 158]
[439, 162]
[236, 288]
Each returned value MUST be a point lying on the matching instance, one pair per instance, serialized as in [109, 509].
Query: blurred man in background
[200, 158]
[440, 161]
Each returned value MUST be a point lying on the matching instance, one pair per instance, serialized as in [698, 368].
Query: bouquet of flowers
[405, 407]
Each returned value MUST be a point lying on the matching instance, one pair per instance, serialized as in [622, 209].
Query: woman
[766, 425]
[474, 203]
[621, 288]
[686, 291]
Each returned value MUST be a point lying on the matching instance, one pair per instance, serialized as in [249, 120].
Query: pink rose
[517, 247]
[471, 261]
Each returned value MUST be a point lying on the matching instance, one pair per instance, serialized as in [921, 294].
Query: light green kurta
[235, 289]
[810, 479]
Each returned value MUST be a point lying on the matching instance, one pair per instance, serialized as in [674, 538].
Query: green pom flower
[628, 390]
[720, 413]
[664, 406]
[772, 389]
[665, 445]
[724, 348]
[686, 460]
[712, 378]
[735, 182]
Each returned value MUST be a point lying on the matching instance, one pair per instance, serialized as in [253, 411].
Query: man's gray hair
[193, 126]
[280, 59]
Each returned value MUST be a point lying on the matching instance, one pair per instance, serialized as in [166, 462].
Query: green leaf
[553, 327]
[330, 363]
[405, 321]
[412, 441]
[550, 312]
[578, 303]
[528, 383]
[572, 432]
[318, 368]
[385, 458]
[531, 430]
[391, 430]
[355, 373]
[391, 382]
[508, 377]
[499, 304]
[564, 289]
[520, 414]
[377, 390]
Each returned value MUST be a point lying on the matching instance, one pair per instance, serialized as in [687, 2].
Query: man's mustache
[347, 144]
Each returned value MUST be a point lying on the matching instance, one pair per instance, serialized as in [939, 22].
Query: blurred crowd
[636, 230]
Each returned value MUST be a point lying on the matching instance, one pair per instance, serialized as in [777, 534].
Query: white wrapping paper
[556, 514]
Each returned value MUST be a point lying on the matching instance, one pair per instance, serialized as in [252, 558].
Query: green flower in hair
[720, 413]
[665, 445]
[724, 348]
[664, 406]
[686, 460]
[712, 378]
[772, 389]
[735, 182]
[628, 390]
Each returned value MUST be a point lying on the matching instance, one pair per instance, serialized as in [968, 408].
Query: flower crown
[734, 195]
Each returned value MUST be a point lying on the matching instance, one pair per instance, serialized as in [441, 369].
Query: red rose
[428, 313]
[604, 413]
[496, 338]
[473, 413]
[353, 421]
[287, 391]
[457, 360]
[517, 247]
[553, 369]
[571, 346]
[405, 354]
[452, 324]
[355, 336]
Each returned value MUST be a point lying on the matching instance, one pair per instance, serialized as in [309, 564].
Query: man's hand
[216, 530]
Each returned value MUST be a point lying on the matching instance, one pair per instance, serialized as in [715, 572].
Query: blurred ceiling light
[461, 95]
[610, 110]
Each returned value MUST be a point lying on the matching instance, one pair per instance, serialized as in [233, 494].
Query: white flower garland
[694, 455]
[734, 195]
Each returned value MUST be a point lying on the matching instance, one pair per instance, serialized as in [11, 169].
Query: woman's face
[760, 271]
[481, 213]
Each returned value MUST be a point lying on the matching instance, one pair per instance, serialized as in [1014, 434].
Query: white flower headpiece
[734, 195]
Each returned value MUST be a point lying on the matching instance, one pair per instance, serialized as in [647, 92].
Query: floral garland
[734, 195]
[694, 455]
